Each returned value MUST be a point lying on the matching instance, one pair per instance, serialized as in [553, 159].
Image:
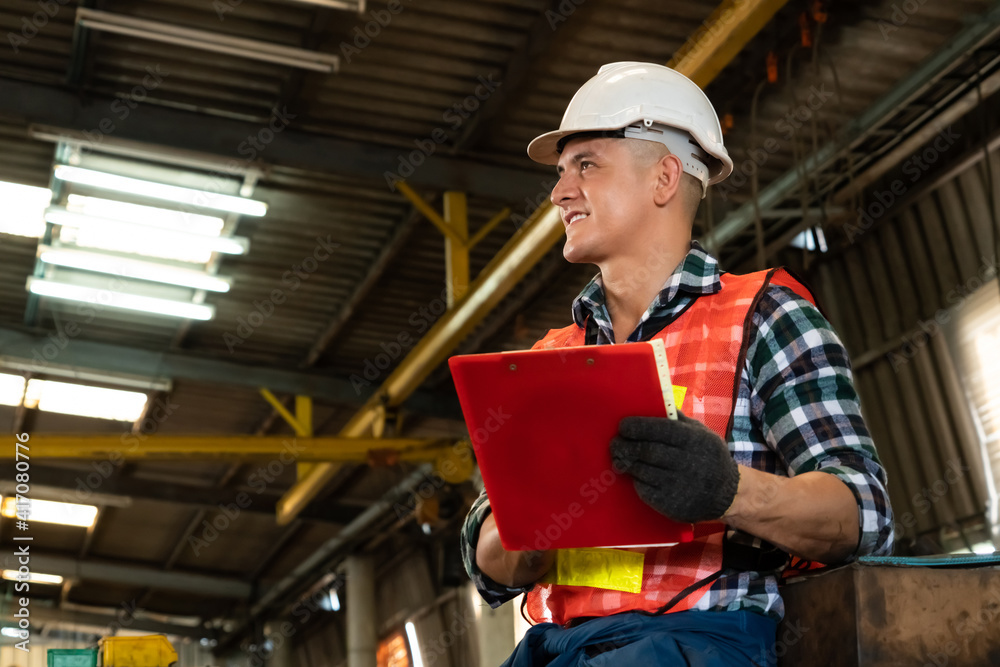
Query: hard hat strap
[680, 143]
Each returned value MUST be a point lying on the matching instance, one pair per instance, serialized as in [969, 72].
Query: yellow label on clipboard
[679, 394]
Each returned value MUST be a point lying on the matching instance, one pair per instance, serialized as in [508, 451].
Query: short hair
[647, 153]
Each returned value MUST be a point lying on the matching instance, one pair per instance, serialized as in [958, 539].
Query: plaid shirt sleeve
[492, 592]
[803, 397]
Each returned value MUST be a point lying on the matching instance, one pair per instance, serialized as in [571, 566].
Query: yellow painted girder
[235, 447]
[724, 34]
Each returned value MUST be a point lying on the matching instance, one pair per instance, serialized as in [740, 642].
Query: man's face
[604, 196]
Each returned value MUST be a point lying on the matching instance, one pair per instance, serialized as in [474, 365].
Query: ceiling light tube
[33, 577]
[122, 300]
[207, 41]
[227, 245]
[346, 5]
[132, 268]
[50, 511]
[174, 193]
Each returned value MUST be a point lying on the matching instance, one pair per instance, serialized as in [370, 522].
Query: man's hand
[680, 468]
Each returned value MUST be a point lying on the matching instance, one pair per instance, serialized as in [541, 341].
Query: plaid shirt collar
[697, 275]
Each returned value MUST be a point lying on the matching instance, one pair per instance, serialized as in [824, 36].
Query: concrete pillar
[362, 642]
[281, 646]
[494, 632]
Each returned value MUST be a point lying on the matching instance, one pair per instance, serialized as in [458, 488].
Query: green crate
[72, 657]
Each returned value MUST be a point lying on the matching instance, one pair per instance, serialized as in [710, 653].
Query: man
[771, 456]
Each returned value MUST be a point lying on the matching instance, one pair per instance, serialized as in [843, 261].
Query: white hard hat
[650, 102]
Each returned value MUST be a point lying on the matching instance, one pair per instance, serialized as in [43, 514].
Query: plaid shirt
[797, 411]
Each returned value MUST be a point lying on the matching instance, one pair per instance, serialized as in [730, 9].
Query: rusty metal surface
[863, 616]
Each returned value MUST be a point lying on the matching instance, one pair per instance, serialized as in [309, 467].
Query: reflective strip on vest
[706, 347]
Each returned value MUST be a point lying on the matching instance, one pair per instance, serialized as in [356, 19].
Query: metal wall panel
[882, 294]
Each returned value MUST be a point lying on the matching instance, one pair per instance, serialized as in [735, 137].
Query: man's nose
[564, 190]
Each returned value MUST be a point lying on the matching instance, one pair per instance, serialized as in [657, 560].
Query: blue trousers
[687, 638]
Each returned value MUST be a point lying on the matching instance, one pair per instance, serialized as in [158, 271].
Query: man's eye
[585, 165]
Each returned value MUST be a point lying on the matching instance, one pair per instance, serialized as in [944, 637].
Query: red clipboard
[541, 422]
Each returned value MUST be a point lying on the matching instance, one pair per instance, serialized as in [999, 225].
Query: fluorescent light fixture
[51, 511]
[331, 601]
[122, 300]
[207, 41]
[11, 389]
[162, 191]
[132, 268]
[33, 577]
[411, 635]
[84, 401]
[23, 209]
[14, 632]
[153, 216]
[80, 375]
[347, 5]
[109, 234]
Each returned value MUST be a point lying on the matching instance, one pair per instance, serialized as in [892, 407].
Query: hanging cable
[754, 182]
[798, 160]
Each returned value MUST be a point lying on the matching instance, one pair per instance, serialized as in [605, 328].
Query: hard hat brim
[544, 149]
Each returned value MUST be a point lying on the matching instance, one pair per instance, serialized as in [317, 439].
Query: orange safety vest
[706, 346]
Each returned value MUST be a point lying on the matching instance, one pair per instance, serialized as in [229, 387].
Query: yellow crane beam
[288, 449]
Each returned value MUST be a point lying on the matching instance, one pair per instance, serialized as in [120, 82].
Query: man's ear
[669, 173]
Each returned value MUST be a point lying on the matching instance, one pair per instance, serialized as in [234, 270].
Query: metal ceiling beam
[223, 137]
[61, 350]
[160, 447]
[101, 622]
[137, 575]
[93, 484]
[531, 46]
[531, 242]
[849, 136]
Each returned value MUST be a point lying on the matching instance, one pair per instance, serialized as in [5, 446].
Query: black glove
[680, 468]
